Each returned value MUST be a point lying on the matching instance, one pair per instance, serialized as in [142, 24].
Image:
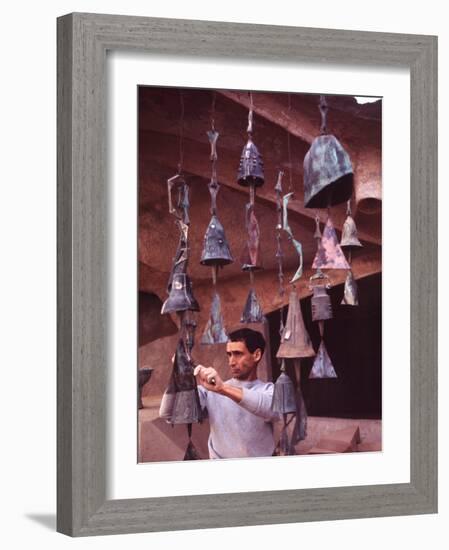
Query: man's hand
[208, 378]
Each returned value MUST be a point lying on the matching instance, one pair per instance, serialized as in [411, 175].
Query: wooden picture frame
[83, 40]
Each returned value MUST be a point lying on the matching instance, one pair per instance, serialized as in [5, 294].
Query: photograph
[259, 274]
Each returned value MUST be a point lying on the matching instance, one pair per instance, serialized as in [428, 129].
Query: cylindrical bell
[350, 296]
[329, 254]
[322, 366]
[251, 167]
[349, 237]
[216, 249]
[295, 340]
[181, 296]
[328, 173]
[283, 395]
[321, 304]
[252, 312]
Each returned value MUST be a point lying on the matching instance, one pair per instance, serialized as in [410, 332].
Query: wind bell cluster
[328, 181]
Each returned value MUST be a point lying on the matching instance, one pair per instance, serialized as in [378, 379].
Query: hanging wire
[181, 133]
[289, 152]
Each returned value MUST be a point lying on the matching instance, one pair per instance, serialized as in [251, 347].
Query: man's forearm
[236, 394]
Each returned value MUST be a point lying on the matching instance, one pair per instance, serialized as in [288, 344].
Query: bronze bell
[350, 295]
[284, 401]
[216, 249]
[329, 254]
[328, 174]
[349, 237]
[322, 366]
[181, 297]
[321, 304]
[251, 166]
[295, 341]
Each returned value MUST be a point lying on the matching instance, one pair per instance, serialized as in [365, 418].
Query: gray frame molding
[83, 40]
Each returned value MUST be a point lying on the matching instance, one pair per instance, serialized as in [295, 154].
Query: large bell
[329, 254]
[251, 255]
[216, 249]
[181, 297]
[328, 174]
[295, 341]
[215, 332]
[181, 404]
[321, 304]
[252, 312]
[251, 166]
[350, 295]
[322, 366]
[283, 395]
[349, 237]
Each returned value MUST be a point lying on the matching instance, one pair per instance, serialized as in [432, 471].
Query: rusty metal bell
[328, 173]
[216, 249]
[349, 237]
[350, 295]
[321, 304]
[181, 296]
[329, 254]
[251, 166]
[283, 395]
[215, 332]
[252, 312]
[295, 340]
[322, 366]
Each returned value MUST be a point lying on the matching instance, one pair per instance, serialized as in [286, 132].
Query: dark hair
[253, 339]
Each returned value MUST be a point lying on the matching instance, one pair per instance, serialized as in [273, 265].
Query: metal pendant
[250, 257]
[295, 340]
[349, 237]
[321, 304]
[215, 332]
[181, 297]
[251, 166]
[283, 395]
[351, 295]
[216, 249]
[252, 312]
[329, 254]
[322, 366]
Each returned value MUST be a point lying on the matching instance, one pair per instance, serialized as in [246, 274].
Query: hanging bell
[216, 249]
[300, 429]
[283, 394]
[215, 332]
[251, 166]
[181, 257]
[251, 256]
[181, 297]
[184, 407]
[321, 304]
[328, 173]
[191, 452]
[329, 254]
[349, 237]
[322, 366]
[350, 295]
[252, 312]
[295, 341]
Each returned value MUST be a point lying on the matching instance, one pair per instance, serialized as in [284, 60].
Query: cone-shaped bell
[295, 340]
[349, 237]
[191, 452]
[250, 256]
[181, 296]
[351, 295]
[328, 174]
[215, 332]
[216, 249]
[251, 166]
[329, 254]
[186, 408]
[283, 395]
[322, 366]
[252, 312]
[321, 304]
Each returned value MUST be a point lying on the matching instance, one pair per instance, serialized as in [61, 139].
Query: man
[239, 409]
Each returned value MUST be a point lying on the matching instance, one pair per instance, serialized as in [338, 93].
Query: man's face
[242, 362]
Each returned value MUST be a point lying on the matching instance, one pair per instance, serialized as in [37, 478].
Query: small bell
[216, 249]
[328, 173]
[322, 366]
[350, 296]
[250, 256]
[349, 236]
[191, 452]
[283, 394]
[252, 312]
[181, 297]
[300, 429]
[295, 341]
[329, 254]
[321, 304]
[251, 166]
[215, 332]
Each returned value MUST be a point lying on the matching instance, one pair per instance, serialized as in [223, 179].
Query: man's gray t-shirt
[240, 429]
